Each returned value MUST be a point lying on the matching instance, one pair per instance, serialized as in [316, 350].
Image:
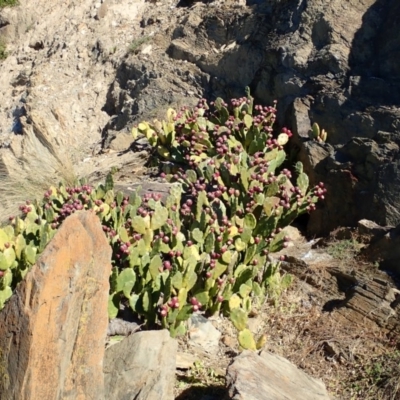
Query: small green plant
[315, 133]
[201, 375]
[377, 377]
[8, 3]
[134, 46]
[3, 49]
[344, 250]
[205, 247]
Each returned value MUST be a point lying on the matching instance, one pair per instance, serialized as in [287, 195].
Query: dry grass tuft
[29, 181]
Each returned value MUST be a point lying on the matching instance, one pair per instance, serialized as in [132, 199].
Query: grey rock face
[141, 367]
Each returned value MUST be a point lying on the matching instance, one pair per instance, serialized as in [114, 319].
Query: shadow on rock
[212, 392]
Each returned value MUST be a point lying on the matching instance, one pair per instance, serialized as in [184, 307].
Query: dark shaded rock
[363, 182]
[371, 230]
[141, 367]
[386, 250]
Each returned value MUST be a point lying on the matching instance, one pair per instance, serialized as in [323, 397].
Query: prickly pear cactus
[205, 248]
[315, 133]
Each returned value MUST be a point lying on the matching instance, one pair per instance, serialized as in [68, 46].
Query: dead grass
[344, 250]
[135, 45]
[29, 181]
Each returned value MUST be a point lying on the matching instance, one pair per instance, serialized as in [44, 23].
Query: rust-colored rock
[53, 329]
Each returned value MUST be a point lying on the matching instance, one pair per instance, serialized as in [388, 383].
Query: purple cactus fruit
[163, 313]
[193, 301]
[167, 265]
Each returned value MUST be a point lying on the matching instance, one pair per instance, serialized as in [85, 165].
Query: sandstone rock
[141, 367]
[270, 377]
[53, 329]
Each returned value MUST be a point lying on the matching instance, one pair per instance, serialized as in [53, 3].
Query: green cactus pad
[246, 340]
[238, 318]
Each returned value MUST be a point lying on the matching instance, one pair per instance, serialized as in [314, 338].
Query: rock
[53, 328]
[141, 367]
[356, 297]
[386, 250]
[120, 327]
[303, 253]
[121, 141]
[368, 301]
[372, 230]
[203, 333]
[184, 360]
[270, 377]
[294, 234]
[147, 187]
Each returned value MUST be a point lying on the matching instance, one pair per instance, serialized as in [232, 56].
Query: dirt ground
[355, 361]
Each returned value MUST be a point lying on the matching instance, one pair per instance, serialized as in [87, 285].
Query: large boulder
[141, 367]
[53, 329]
[267, 376]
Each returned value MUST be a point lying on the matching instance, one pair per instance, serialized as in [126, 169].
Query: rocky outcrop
[357, 296]
[142, 367]
[323, 63]
[270, 377]
[80, 73]
[53, 329]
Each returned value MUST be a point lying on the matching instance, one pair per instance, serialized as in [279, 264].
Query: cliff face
[80, 72]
